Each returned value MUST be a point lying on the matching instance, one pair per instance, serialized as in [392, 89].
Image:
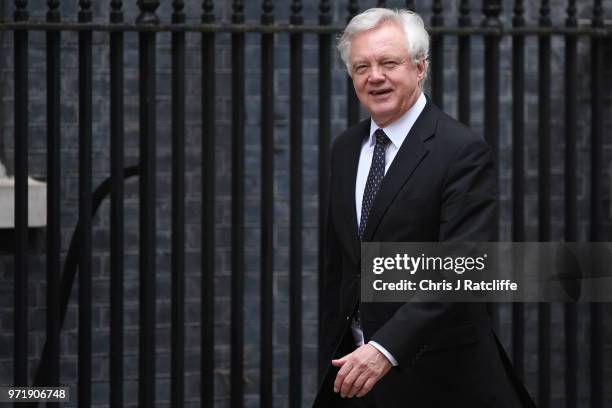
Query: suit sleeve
[469, 196]
[331, 278]
[467, 213]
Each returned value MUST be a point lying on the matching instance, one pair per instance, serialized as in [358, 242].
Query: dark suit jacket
[441, 186]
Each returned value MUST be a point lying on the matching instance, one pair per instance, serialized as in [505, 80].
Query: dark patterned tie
[377, 172]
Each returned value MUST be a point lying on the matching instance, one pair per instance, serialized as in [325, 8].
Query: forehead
[385, 39]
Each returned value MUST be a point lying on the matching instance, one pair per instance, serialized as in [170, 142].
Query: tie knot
[381, 137]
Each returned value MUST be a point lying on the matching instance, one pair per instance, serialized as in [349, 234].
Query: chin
[384, 109]
[383, 115]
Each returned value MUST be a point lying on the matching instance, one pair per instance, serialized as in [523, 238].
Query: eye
[390, 64]
[360, 69]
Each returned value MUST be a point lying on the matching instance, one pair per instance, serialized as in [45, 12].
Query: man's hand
[359, 371]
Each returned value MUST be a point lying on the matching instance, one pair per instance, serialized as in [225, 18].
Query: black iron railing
[148, 25]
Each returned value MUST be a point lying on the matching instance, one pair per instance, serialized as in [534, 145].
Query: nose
[376, 74]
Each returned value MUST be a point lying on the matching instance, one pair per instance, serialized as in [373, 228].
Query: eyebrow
[383, 57]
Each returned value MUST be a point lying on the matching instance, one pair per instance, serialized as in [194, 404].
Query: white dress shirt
[397, 132]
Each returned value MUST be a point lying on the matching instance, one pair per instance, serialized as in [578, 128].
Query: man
[409, 173]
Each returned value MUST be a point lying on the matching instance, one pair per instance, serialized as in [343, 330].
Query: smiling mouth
[380, 92]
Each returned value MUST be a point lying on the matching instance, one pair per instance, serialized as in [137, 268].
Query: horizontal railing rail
[605, 31]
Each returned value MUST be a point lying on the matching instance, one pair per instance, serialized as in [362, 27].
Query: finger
[338, 363]
[358, 384]
[350, 378]
[340, 376]
[367, 387]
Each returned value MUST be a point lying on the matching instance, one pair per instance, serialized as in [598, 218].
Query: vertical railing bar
[85, 205]
[571, 204]
[518, 175]
[570, 126]
[437, 56]
[237, 234]
[267, 208]
[53, 195]
[20, 358]
[295, 249]
[324, 148]
[177, 386]
[147, 194]
[117, 195]
[464, 64]
[352, 103]
[492, 9]
[544, 179]
[544, 354]
[208, 208]
[596, 235]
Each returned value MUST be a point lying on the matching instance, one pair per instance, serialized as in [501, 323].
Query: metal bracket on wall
[37, 201]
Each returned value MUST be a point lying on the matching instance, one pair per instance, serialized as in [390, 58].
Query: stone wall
[101, 235]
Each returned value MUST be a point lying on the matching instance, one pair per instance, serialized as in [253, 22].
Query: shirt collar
[398, 130]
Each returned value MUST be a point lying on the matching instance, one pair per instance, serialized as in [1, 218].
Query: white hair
[417, 38]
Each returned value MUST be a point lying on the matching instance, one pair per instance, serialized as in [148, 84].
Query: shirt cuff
[383, 350]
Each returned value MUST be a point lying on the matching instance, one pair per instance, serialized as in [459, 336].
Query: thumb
[339, 362]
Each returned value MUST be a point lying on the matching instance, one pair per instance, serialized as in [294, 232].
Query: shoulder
[453, 137]
[455, 134]
[350, 136]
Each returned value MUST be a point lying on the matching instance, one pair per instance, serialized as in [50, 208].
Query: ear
[421, 67]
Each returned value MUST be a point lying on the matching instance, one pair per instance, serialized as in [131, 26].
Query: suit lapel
[410, 154]
[348, 194]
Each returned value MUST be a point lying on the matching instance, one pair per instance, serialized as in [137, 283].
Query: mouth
[379, 92]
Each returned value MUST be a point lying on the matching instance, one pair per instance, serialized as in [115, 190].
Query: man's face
[385, 79]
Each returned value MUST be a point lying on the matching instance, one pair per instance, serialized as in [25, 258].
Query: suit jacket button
[348, 317]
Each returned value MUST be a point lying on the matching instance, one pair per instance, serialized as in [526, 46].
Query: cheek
[360, 87]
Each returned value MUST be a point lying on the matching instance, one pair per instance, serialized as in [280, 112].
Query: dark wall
[100, 314]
